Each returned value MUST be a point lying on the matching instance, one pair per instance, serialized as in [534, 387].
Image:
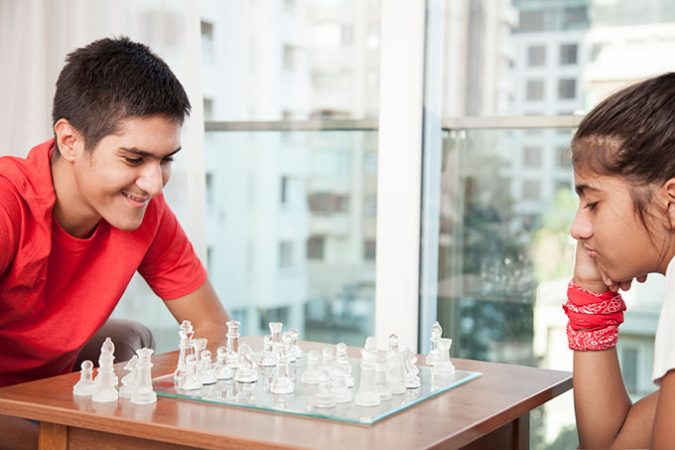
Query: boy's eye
[167, 160]
[133, 160]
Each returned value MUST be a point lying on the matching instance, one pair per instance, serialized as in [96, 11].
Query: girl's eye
[591, 206]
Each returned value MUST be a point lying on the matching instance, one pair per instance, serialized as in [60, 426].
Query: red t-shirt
[57, 290]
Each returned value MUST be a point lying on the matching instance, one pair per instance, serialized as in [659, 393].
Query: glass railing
[291, 223]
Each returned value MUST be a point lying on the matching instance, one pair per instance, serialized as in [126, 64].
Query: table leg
[52, 436]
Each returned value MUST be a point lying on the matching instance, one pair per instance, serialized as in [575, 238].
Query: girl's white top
[664, 343]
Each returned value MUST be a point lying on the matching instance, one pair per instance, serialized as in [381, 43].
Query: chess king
[84, 211]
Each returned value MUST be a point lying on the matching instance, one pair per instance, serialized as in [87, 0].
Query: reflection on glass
[291, 232]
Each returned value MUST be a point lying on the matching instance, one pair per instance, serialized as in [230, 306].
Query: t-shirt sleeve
[10, 220]
[171, 266]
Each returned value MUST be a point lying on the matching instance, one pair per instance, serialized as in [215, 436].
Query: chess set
[282, 377]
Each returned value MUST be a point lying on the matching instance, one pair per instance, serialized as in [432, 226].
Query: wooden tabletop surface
[503, 393]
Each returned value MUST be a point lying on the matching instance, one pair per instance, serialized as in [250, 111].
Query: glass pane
[286, 60]
[291, 230]
[505, 259]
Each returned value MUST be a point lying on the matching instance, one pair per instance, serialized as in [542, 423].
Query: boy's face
[116, 180]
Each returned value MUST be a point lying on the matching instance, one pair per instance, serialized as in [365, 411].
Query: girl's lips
[592, 253]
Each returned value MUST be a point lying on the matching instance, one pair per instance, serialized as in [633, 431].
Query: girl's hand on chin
[587, 274]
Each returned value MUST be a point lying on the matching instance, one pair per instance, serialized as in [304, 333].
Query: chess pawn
[312, 372]
[436, 332]
[342, 360]
[246, 371]
[323, 397]
[129, 380]
[340, 389]
[268, 358]
[85, 386]
[443, 365]
[370, 346]
[395, 372]
[144, 394]
[296, 350]
[327, 359]
[191, 382]
[186, 332]
[367, 394]
[199, 345]
[282, 383]
[106, 380]
[204, 368]
[232, 336]
[223, 371]
[412, 379]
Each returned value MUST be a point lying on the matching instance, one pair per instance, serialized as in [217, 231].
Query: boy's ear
[68, 139]
[668, 192]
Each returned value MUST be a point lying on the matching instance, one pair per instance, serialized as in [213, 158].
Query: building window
[327, 203]
[315, 247]
[532, 156]
[209, 189]
[534, 90]
[207, 38]
[208, 108]
[369, 250]
[267, 315]
[285, 254]
[284, 190]
[536, 55]
[531, 190]
[370, 206]
[629, 367]
[567, 88]
[568, 54]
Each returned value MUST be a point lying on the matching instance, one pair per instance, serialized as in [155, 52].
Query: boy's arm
[204, 310]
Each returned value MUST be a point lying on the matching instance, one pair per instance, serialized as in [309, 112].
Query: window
[532, 157]
[209, 189]
[207, 38]
[285, 254]
[531, 190]
[568, 54]
[370, 206]
[315, 247]
[534, 90]
[369, 250]
[567, 88]
[536, 55]
[284, 190]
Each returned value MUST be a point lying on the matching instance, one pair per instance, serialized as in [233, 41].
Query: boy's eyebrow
[581, 188]
[139, 152]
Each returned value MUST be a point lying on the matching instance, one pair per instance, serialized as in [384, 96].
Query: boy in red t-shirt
[84, 211]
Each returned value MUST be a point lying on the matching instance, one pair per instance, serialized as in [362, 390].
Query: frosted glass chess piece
[268, 357]
[275, 334]
[412, 378]
[129, 380]
[323, 397]
[313, 369]
[232, 344]
[223, 372]
[106, 380]
[395, 372]
[191, 382]
[381, 369]
[282, 382]
[199, 345]
[367, 394]
[340, 389]
[246, 369]
[436, 332]
[370, 346]
[186, 333]
[443, 365]
[143, 394]
[327, 359]
[342, 360]
[205, 368]
[85, 386]
[296, 350]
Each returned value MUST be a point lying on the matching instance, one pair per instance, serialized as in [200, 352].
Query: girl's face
[610, 230]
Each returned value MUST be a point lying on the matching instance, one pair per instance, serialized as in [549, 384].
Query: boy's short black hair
[114, 79]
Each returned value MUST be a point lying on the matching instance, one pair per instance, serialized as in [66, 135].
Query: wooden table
[489, 412]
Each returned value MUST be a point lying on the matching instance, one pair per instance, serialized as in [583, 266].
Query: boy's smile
[116, 180]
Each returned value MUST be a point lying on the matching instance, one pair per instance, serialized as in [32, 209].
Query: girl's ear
[668, 192]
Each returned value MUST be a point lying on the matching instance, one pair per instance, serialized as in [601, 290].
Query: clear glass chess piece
[85, 386]
[313, 369]
[246, 372]
[143, 394]
[268, 357]
[296, 350]
[367, 394]
[412, 379]
[129, 380]
[106, 380]
[341, 391]
[205, 368]
[323, 397]
[186, 333]
[342, 360]
[395, 372]
[282, 383]
[223, 371]
[443, 365]
[191, 382]
[436, 332]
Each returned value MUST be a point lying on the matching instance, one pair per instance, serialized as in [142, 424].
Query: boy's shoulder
[30, 177]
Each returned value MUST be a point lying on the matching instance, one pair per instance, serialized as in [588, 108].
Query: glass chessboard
[258, 396]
